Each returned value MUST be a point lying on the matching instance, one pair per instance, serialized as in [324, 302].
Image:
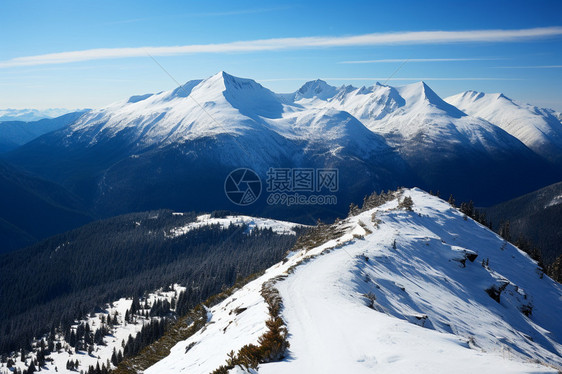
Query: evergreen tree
[505, 231]
[451, 201]
[114, 357]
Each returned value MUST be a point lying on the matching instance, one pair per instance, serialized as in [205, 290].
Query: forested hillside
[67, 276]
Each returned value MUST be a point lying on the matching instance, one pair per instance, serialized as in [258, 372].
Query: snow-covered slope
[540, 129]
[413, 117]
[379, 137]
[258, 123]
[423, 291]
[217, 105]
[432, 135]
[279, 227]
[119, 332]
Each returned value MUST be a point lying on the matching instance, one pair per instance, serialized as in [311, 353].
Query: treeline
[62, 279]
[504, 230]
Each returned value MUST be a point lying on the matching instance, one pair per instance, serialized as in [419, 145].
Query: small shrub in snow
[526, 309]
[407, 203]
[495, 291]
[371, 297]
[364, 227]
[272, 344]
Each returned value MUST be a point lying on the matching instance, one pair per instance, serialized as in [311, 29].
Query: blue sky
[521, 57]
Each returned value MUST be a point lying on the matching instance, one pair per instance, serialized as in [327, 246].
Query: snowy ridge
[56, 361]
[398, 291]
[279, 227]
[224, 104]
[241, 114]
[317, 89]
[392, 131]
[415, 115]
[539, 129]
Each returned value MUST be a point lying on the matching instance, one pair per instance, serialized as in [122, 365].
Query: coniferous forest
[51, 284]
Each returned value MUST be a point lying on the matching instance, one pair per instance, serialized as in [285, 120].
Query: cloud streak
[397, 38]
[394, 60]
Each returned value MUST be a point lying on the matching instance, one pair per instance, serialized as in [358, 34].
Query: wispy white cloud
[414, 37]
[394, 60]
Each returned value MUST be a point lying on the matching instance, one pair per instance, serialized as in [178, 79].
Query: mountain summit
[315, 89]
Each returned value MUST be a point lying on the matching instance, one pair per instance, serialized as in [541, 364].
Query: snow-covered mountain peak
[471, 95]
[251, 223]
[538, 128]
[318, 89]
[225, 81]
[420, 95]
[246, 95]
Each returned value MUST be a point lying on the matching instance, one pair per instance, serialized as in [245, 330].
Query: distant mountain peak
[538, 128]
[477, 95]
[27, 115]
[419, 92]
[315, 89]
[230, 82]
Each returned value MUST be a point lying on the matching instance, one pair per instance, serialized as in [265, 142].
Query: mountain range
[174, 149]
[538, 128]
[16, 133]
[536, 216]
[28, 115]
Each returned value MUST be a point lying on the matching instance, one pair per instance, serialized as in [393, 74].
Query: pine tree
[407, 203]
[353, 210]
[114, 357]
[505, 231]
[451, 201]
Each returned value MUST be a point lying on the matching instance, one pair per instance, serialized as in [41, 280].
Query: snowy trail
[431, 312]
[331, 329]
